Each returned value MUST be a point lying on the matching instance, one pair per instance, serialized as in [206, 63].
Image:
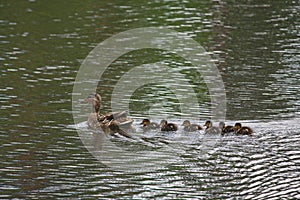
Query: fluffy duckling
[188, 127]
[210, 129]
[147, 125]
[242, 130]
[165, 126]
[225, 129]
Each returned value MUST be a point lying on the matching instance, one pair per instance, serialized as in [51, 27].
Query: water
[255, 46]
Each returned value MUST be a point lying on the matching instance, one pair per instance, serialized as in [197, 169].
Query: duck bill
[87, 100]
[84, 101]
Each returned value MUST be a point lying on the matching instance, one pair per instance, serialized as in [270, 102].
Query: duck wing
[125, 124]
[115, 128]
[120, 116]
[116, 115]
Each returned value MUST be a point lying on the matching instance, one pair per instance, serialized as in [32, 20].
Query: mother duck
[110, 122]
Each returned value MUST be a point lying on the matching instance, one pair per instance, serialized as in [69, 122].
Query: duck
[225, 129]
[242, 130]
[210, 129]
[188, 127]
[165, 126]
[108, 121]
[147, 125]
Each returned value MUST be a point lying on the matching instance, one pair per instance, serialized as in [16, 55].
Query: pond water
[255, 47]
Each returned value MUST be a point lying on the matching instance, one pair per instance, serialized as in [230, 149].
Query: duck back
[192, 128]
[245, 131]
[212, 131]
[228, 129]
[169, 127]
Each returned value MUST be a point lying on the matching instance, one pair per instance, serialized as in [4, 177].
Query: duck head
[95, 99]
[221, 125]
[237, 126]
[186, 123]
[163, 123]
[145, 122]
[208, 124]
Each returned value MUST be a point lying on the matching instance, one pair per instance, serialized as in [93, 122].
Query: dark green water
[255, 46]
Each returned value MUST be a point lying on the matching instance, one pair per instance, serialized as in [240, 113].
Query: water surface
[255, 45]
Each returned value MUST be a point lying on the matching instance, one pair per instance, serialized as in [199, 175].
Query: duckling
[225, 129]
[165, 126]
[147, 125]
[188, 127]
[242, 130]
[210, 129]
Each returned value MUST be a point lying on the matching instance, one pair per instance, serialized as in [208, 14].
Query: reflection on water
[255, 46]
